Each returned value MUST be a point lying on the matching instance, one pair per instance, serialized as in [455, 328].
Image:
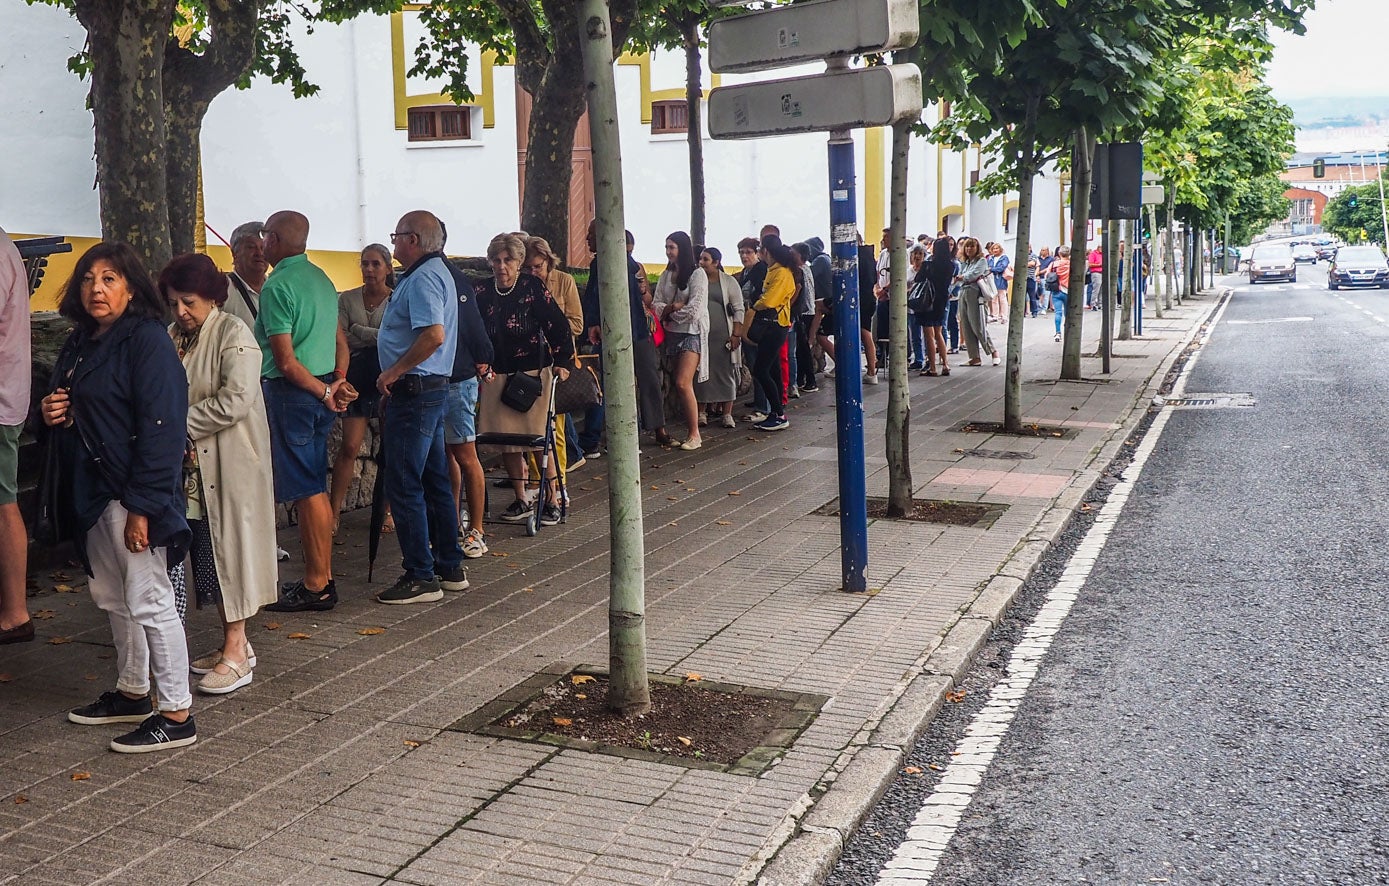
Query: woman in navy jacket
[118, 413]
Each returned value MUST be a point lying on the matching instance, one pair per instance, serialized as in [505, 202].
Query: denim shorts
[9, 463]
[299, 428]
[682, 341]
[460, 416]
[367, 405]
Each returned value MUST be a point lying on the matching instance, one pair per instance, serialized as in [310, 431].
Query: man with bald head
[303, 368]
[417, 343]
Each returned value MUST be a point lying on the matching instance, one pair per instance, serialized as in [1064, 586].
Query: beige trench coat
[227, 424]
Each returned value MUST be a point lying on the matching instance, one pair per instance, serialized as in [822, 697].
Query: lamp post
[1383, 211]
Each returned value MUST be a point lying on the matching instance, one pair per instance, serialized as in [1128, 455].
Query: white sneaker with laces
[474, 544]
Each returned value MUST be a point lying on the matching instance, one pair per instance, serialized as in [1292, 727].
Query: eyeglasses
[397, 234]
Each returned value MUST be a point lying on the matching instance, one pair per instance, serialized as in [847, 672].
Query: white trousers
[135, 592]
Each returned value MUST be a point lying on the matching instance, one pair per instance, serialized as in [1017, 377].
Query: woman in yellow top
[767, 323]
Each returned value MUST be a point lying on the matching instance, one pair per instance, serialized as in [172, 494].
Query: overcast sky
[1342, 52]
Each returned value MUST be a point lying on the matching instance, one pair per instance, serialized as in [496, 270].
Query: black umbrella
[378, 494]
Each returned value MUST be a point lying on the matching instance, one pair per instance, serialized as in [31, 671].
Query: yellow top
[777, 292]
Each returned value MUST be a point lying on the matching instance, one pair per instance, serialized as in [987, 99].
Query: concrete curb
[814, 846]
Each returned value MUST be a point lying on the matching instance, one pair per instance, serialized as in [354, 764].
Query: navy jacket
[474, 346]
[822, 270]
[590, 299]
[130, 427]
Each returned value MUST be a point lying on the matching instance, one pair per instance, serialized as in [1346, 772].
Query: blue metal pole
[848, 380]
[1138, 279]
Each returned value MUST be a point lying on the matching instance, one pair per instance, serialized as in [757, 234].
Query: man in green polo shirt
[303, 366]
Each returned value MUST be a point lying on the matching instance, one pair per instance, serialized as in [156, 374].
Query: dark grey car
[1358, 266]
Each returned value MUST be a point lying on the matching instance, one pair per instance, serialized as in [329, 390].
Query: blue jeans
[916, 342]
[1058, 304]
[952, 325]
[417, 484]
[1034, 298]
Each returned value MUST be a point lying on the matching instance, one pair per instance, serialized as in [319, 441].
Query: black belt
[414, 385]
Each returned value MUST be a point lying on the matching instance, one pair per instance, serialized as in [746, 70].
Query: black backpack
[1052, 283]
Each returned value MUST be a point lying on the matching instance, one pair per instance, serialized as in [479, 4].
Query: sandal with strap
[237, 676]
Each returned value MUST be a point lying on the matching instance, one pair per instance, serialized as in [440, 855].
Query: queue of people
[178, 440]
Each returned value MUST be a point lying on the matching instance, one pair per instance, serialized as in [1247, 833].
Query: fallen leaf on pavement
[371, 632]
[511, 566]
[742, 462]
[673, 523]
[655, 486]
[734, 492]
[528, 590]
[672, 498]
[58, 576]
[679, 481]
[723, 522]
[959, 450]
[64, 589]
[6, 678]
[411, 744]
[935, 766]
[956, 696]
[500, 554]
[692, 677]
[89, 677]
[581, 679]
[683, 740]
[272, 625]
[81, 776]
[44, 614]
[58, 641]
[912, 770]
[580, 695]
[299, 635]
[562, 721]
[20, 798]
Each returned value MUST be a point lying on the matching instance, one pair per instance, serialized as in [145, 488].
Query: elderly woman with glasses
[530, 334]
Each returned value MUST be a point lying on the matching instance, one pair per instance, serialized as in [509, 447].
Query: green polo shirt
[300, 301]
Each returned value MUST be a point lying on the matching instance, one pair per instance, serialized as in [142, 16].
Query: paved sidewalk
[337, 765]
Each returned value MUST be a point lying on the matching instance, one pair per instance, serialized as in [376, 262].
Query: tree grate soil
[1028, 430]
[979, 515]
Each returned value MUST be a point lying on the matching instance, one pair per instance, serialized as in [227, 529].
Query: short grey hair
[428, 229]
[511, 244]
[246, 231]
[918, 249]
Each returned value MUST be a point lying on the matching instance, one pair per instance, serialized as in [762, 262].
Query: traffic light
[1353, 201]
[1319, 168]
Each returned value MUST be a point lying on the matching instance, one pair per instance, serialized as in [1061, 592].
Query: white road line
[915, 861]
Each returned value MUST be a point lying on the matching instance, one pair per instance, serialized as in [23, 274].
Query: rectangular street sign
[1154, 195]
[813, 31]
[877, 96]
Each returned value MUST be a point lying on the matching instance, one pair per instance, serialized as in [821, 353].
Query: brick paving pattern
[337, 766]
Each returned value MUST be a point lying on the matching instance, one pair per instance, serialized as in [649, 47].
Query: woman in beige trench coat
[228, 478]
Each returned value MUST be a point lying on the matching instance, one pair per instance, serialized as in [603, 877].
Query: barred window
[669, 117]
[440, 123]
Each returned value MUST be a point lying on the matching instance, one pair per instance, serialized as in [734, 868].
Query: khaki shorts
[9, 463]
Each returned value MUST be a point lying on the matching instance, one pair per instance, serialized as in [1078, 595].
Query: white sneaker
[728, 421]
[755, 417]
[997, 359]
[870, 378]
[1058, 336]
[474, 544]
[703, 419]
[281, 554]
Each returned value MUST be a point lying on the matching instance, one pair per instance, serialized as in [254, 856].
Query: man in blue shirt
[416, 343]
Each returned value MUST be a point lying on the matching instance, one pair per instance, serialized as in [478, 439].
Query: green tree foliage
[1355, 214]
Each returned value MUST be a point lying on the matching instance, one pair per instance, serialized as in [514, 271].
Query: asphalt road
[1213, 710]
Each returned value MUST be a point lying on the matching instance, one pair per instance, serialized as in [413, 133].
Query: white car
[1305, 252]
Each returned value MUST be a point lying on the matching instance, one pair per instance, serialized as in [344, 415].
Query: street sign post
[835, 102]
[849, 99]
[810, 32]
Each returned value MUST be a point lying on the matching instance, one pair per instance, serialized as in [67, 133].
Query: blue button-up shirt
[423, 297]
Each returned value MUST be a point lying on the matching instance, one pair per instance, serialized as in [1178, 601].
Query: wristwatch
[327, 392]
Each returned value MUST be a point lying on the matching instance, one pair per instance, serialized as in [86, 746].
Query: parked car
[1272, 261]
[1305, 252]
[1358, 266]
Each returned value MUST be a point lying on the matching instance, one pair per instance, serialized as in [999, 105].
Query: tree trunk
[694, 99]
[1017, 301]
[1127, 281]
[899, 398]
[1111, 280]
[1171, 249]
[191, 81]
[126, 44]
[1157, 260]
[558, 103]
[629, 693]
[1083, 167]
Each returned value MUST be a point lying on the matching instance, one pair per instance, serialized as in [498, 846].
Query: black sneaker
[297, 598]
[595, 452]
[516, 512]
[809, 389]
[455, 579]
[408, 589]
[156, 733]
[549, 516]
[112, 707]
